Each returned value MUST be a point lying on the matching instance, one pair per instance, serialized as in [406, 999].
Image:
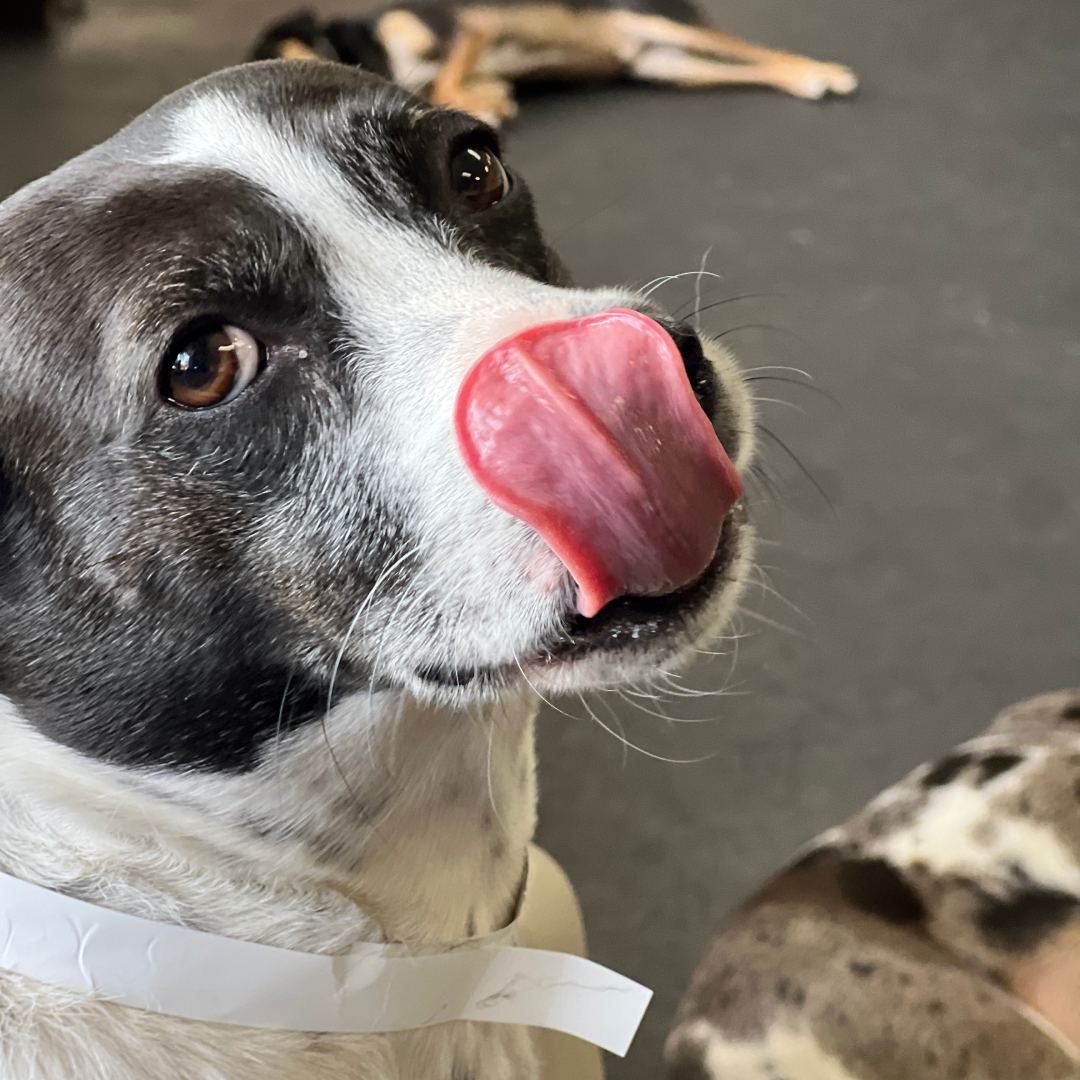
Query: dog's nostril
[698, 369]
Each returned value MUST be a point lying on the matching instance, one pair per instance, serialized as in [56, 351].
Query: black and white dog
[268, 649]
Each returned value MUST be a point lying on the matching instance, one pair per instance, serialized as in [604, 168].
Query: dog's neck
[394, 821]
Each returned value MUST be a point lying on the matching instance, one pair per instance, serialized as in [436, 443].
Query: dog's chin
[629, 640]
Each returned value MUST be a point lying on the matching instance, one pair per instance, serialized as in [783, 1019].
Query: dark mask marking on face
[136, 626]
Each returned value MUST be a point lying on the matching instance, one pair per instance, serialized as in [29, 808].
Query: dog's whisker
[365, 604]
[735, 647]
[664, 716]
[278, 729]
[550, 704]
[637, 692]
[783, 330]
[675, 686]
[812, 387]
[773, 623]
[353, 794]
[646, 290]
[697, 288]
[573, 226]
[698, 311]
[391, 623]
[640, 749]
[780, 401]
[765, 481]
[747, 372]
[762, 582]
[651, 286]
[479, 717]
[799, 464]
[689, 692]
[616, 721]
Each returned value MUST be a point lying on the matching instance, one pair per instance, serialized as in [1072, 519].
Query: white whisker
[778, 367]
[641, 750]
[697, 288]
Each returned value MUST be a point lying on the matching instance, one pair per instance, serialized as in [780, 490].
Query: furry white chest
[435, 857]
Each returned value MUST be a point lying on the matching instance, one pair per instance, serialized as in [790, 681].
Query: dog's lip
[639, 619]
[630, 620]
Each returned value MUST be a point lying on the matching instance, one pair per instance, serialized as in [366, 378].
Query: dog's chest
[46, 1031]
[438, 856]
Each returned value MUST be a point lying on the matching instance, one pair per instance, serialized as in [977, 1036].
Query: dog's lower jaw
[434, 852]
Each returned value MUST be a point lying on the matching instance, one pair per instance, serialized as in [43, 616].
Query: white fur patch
[961, 830]
[782, 1051]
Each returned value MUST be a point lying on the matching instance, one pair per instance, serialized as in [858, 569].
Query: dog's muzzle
[592, 432]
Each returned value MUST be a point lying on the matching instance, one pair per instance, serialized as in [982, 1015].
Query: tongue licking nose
[589, 432]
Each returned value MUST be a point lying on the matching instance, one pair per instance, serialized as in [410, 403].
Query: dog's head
[232, 340]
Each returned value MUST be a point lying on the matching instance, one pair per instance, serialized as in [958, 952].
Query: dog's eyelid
[480, 137]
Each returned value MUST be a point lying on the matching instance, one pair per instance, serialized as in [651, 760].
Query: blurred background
[914, 252]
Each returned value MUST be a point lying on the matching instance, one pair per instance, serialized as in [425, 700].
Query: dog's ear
[355, 42]
[289, 37]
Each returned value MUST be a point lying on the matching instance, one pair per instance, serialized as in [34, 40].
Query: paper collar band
[176, 971]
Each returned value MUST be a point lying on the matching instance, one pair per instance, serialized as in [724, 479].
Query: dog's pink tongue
[589, 431]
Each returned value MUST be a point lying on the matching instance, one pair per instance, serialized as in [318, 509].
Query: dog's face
[231, 340]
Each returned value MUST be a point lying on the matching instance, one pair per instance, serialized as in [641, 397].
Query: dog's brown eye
[478, 178]
[211, 366]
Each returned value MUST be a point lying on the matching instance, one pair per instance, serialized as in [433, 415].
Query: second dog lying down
[470, 56]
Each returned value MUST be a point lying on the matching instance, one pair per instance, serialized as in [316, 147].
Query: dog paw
[842, 80]
[813, 81]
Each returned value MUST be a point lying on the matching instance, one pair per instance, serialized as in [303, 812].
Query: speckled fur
[934, 935]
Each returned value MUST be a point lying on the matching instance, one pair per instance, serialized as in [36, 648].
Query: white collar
[169, 969]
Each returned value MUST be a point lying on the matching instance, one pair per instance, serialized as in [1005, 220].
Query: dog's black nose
[699, 370]
[706, 383]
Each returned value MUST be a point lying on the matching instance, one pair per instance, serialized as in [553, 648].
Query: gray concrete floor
[919, 244]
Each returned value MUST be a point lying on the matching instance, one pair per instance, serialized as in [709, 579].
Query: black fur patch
[1021, 922]
[1071, 712]
[688, 1066]
[355, 42]
[946, 770]
[135, 624]
[877, 888]
[994, 765]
